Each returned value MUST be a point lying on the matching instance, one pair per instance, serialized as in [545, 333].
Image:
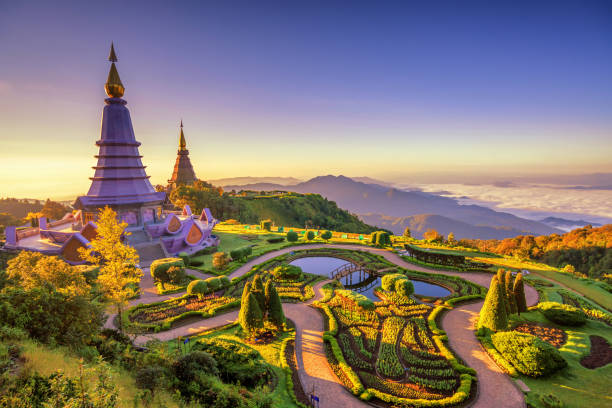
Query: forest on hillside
[587, 249]
[19, 211]
[286, 209]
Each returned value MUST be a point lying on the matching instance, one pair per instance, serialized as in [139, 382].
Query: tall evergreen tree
[519, 294]
[257, 289]
[245, 293]
[501, 279]
[250, 316]
[509, 288]
[493, 313]
[274, 306]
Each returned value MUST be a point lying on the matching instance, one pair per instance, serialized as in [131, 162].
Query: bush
[388, 281]
[214, 284]
[326, 235]
[380, 238]
[292, 236]
[310, 235]
[195, 262]
[185, 257]
[159, 268]
[562, 314]
[238, 254]
[404, 287]
[220, 260]
[274, 306]
[287, 272]
[275, 240]
[176, 275]
[250, 315]
[266, 225]
[149, 378]
[529, 354]
[198, 288]
[493, 313]
[205, 251]
[188, 367]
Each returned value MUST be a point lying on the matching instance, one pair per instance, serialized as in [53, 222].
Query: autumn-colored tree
[451, 238]
[493, 313]
[220, 260]
[33, 269]
[32, 218]
[54, 210]
[519, 293]
[433, 235]
[407, 233]
[119, 275]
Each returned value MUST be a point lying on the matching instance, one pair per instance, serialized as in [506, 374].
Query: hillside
[292, 210]
[419, 224]
[366, 198]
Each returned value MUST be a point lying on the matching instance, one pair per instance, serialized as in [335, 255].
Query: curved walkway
[495, 388]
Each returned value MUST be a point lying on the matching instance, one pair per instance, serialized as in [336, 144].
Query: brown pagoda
[183, 170]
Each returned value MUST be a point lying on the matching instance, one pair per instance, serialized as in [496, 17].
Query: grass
[46, 361]
[270, 353]
[575, 385]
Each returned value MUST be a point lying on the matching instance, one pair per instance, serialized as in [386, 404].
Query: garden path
[495, 388]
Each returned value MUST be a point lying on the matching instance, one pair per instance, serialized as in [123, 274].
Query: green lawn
[587, 287]
[270, 353]
[575, 385]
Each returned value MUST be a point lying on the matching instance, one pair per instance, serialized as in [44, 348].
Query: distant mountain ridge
[566, 224]
[390, 205]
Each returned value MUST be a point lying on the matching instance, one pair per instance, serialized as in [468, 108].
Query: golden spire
[114, 88]
[182, 143]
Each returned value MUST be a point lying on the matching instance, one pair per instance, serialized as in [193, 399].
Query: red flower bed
[556, 337]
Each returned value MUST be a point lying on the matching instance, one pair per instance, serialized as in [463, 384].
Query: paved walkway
[495, 388]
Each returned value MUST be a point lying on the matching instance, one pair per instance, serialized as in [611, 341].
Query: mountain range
[395, 209]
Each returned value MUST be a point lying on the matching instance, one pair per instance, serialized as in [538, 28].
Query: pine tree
[257, 289]
[274, 306]
[509, 288]
[493, 313]
[250, 316]
[519, 294]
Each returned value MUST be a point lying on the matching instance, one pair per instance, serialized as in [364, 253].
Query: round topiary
[404, 287]
[292, 236]
[287, 272]
[198, 288]
[326, 235]
[529, 354]
[562, 314]
[388, 281]
[214, 284]
[159, 268]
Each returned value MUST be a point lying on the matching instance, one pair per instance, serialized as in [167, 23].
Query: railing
[344, 270]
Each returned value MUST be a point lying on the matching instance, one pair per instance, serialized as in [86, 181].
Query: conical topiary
[245, 292]
[509, 288]
[274, 306]
[519, 294]
[257, 289]
[493, 313]
[250, 316]
[501, 279]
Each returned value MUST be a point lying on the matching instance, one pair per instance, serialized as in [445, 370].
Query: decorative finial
[182, 142]
[114, 88]
[112, 57]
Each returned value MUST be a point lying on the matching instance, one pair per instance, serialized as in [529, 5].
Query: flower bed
[552, 335]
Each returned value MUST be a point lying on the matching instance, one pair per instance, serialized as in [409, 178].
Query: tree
[250, 315]
[309, 235]
[292, 236]
[509, 289]
[380, 238]
[33, 269]
[220, 260]
[451, 238]
[519, 294]
[493, 312]
[433, 236]
[326, 235]
[54, 210]
[501, 278]
[119, 277]
[266, 225]
[407, 233]
[257, 289]
[245, 292]
[404, 287]
[274, 307]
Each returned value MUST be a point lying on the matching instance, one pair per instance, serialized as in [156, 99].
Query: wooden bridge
[348, 270]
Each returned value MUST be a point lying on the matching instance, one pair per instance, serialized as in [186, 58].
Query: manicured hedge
[529, 354]
[287, 272]
[287, 369]
[562, 314]
[159, 268]
[275, 240]
[240, 253]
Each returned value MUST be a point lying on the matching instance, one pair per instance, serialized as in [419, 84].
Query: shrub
[388, 281]
[159, 268]
[380, 238]
[519, 294]
[214, 283]
[188, 367]
[275, 240]
[292, 236]
[176, 275]
[509, 288]
[562, 314]
[198, 288]
[326, 235]
[404, 287]
[274, 306]
[266, 225]
[195, 262]
[149, 378]
[529, 354]
[205, 251]
[310, 235]
[250, 316]
[238, 254]
[257, 289]
[493, 313]
[220, 260]
[287, 272]
[185, 257]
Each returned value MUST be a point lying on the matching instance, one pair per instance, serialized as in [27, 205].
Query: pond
[361, 282]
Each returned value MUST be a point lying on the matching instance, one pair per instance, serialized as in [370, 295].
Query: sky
[398, 91]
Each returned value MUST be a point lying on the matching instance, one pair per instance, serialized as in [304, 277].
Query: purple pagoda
[120, 180]
[183, 170]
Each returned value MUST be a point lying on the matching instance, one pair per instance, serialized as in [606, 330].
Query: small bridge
[347, 270]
